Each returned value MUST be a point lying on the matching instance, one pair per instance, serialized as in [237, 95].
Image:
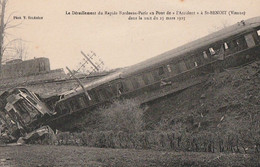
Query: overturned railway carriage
[232, 46]
[22, 110]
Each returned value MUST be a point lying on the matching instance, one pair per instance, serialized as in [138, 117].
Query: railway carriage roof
[93, 84]
[199, 43]
[111, 77]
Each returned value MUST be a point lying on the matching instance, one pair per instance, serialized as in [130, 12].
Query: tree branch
[13, 26]
[8, 19]
[13, 41]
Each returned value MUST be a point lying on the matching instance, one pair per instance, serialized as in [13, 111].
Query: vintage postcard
[129, 83]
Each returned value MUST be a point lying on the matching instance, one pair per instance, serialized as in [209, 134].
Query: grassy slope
[223, 111]
[228, 98]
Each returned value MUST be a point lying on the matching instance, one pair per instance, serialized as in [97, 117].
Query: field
[42, 156]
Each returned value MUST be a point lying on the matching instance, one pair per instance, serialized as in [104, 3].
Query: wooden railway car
[22, 110]
[231, 46]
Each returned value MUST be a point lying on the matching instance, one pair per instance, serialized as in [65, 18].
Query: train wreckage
[22, 111]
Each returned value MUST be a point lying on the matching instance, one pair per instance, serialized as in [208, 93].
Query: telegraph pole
[88, 59]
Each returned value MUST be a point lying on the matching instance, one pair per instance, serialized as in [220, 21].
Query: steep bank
[221, 114]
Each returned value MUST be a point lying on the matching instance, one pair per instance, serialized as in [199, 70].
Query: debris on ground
[43, 135]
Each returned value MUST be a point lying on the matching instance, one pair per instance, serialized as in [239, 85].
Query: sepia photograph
[129, 83]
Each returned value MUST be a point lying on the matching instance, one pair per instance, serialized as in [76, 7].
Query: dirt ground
[39, 155]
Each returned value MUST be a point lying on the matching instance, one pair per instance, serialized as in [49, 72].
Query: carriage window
[135, 83]
[199, 59]
[182, 66]
[31, 100]
[24, 106]
[109, 91]
[241, 43]
[175, 69]
[74, 104]
[81, 102]
[63, 107]
[155, 75]
[128, 85]
[120, 88]
[234, 44]
[192, 61]
[225, 46]
[212, 52]
[113, 88]
[169, 68]
[256, 37]
[13, 115]
[25, 114]
[161, 72]
[189, 63]
[59, 109]
[149, 77]
[93, 94]
[146, 81]
[140, 81]
[249, 40]
[258, 33]
[101, 95]
[205, 55]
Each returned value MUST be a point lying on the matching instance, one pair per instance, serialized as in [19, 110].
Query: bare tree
[16, 48]
[2, 30]
[4, 25]
[21, 50]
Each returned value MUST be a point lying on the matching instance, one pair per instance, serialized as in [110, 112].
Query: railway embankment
[218, 115]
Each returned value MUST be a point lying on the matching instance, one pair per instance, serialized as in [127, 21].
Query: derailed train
[21, 111]
[229, 47]
[232, 46]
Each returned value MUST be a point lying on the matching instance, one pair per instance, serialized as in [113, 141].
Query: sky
[115, 39]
